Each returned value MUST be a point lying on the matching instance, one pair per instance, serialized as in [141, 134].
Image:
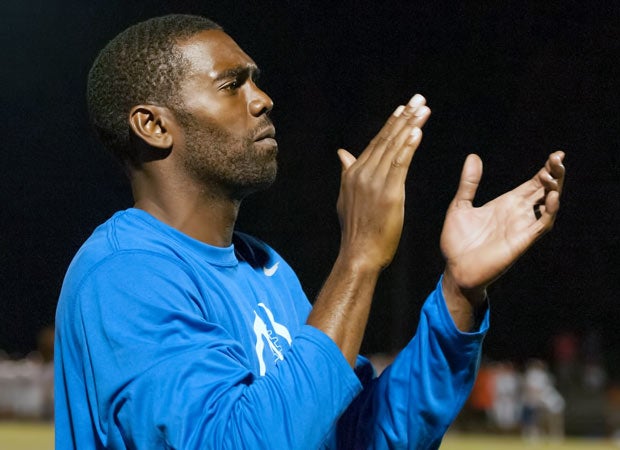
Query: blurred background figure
[543, 406]
[507, 404]
[27, 384]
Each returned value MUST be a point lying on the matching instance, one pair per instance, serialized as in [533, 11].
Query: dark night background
[511, 81]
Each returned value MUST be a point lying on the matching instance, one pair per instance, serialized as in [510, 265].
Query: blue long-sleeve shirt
[166, 342]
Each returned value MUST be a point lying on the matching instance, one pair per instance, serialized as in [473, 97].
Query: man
[174, 331]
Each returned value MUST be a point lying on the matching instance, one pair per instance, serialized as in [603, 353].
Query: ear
[152, 124]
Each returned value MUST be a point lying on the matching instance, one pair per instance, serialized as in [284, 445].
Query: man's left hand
[480, 243]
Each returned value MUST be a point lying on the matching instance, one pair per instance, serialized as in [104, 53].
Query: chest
[260, 310]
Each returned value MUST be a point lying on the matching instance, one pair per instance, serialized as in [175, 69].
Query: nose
[260, 103]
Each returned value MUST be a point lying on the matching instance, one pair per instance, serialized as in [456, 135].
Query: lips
[265, 133]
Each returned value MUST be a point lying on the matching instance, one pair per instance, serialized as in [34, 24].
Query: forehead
[213, 52]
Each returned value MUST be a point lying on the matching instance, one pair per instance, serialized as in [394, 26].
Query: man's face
[229, 139]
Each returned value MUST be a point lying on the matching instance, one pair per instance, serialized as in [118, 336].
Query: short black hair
[140, 65]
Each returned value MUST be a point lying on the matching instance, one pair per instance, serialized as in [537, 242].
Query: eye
[232, 86]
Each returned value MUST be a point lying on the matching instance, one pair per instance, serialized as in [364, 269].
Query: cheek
[228, 112]
[231, 122]
[235, 118]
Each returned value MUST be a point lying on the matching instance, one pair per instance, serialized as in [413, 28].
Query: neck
[198, 212]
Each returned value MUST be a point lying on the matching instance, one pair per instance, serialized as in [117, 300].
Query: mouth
[266, 133]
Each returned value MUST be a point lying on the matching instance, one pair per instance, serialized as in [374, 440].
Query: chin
[258, 184]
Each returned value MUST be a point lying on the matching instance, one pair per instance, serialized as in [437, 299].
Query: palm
[479, 244]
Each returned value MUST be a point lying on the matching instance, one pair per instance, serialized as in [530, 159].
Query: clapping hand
[480, 243]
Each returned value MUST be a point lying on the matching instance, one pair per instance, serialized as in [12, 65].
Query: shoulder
[121, 251]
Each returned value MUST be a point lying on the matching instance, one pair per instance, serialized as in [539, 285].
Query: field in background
[26, 436]
[29, 436]
[491, 442]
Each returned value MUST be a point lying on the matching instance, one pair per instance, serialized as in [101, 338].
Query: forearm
[342, 307]
[212, 401]
[415, 399]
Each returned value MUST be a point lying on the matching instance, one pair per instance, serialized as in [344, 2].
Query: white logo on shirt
[270, 271]
[264, 334]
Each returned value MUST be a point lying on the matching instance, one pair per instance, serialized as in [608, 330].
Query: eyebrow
[249, 70]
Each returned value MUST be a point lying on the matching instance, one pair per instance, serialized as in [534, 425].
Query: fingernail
[415, 134]
[398, 111]
[422, 111]
[415, 101]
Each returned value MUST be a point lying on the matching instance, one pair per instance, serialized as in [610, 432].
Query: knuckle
[385, 139]
[407, 113]
[397, 163]
[362, 178]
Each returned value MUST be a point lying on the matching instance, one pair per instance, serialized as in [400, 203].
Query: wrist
[358, 264]
[475, 296]
[464, 304]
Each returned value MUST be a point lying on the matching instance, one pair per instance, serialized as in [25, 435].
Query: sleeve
[160, 375]
[412, 403]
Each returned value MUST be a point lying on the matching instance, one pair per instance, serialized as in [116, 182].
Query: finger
[346, 159]
[548, 213]
[551, 176]
[552, 181]
[401, 144]
[556, 167]
[384, 134]
[402, 117]
[415, 112]
[414, 105]
[552, 205]
[470, 179]
[420, 116]
[399, 164]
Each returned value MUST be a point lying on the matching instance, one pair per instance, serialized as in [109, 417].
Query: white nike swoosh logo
[270, 271]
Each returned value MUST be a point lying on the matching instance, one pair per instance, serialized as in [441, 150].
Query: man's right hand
[372, 191]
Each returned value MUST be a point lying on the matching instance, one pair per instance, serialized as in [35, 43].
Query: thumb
[470, 179]
[346, 158]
